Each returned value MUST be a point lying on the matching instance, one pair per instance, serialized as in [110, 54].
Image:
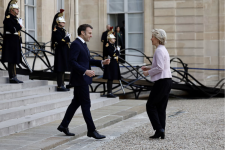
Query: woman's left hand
[145, 73]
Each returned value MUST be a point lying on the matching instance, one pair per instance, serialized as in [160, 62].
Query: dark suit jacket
[80, 62]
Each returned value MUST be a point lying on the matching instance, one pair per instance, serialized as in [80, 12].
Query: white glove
[21, 45]
[68, 35]
[118, 48]
[20, 21]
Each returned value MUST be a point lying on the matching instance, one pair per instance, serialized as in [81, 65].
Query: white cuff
[84, 73]
[102, 63]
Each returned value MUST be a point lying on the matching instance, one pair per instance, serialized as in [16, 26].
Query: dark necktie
[87, 48]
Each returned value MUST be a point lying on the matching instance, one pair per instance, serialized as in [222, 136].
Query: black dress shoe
[62, 88]
[15, 80]
[95, 135]
[110, 95]
[69, 86]
[158, 134]
[65, 130]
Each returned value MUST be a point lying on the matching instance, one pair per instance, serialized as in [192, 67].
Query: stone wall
[194, 34]
[195, 28]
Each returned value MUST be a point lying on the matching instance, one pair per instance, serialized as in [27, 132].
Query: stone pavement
[191, 125]
[47, 137]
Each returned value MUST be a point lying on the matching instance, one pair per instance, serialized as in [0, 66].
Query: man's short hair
[83, 27]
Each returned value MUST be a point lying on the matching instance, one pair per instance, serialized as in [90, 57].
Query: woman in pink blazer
[160, 74]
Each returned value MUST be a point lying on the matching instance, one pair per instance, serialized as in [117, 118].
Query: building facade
[195, 28]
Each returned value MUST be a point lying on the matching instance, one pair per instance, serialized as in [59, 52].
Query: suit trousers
[81, 98]
[157, 103]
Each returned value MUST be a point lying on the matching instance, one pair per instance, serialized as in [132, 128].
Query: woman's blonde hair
[160, 34]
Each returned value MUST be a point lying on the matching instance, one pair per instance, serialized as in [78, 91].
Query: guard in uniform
[60, 45]
[104, 41]
[11, 49]
[112, 71]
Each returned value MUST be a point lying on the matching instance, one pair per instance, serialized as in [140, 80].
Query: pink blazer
[161, 64]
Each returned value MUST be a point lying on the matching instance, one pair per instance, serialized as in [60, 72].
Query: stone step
[3, 73]
[5, 79]
[31, 99]
[19, 112]
[23, 101]
[50, 103]
[26, 92]
[16, 125]
[26, 84]
[47, 136]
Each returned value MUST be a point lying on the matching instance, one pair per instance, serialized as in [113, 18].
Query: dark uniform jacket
[112, 71]
[62, 50]
[11, 50]
[80, 62]
[104, 40]
[119, 40]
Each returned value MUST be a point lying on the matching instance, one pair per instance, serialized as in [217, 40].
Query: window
[60, 5]
[133, 12]
[30, 21]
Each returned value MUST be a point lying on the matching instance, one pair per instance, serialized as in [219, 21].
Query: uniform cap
[60, 17]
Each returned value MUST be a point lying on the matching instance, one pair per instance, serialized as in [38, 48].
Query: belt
[116, 58]
[7, 32]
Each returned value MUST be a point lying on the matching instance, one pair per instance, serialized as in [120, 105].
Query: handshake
[20, 21]
[68, 35]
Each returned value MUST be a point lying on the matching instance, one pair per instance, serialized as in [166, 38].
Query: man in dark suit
[104, 41]
[81, 77]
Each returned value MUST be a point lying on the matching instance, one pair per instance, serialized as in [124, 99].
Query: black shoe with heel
[158, 134]
[110, 95]
[15, 80]
[62, 88]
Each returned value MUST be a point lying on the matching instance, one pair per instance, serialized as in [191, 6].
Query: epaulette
[63, 40]
[107, 45]
[8, 16]
[54, 29]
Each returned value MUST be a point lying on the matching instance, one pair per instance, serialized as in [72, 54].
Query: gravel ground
[194, 125]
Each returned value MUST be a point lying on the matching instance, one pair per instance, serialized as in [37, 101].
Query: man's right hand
[90, 73]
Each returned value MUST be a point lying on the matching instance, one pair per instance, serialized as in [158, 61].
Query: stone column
[2, 11]
[221, 38]
[95, 14]
[69, 16]
[148, 26]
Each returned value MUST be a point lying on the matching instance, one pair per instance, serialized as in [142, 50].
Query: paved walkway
[191, 125]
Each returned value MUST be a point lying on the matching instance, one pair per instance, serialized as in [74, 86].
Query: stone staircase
[34, 103]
